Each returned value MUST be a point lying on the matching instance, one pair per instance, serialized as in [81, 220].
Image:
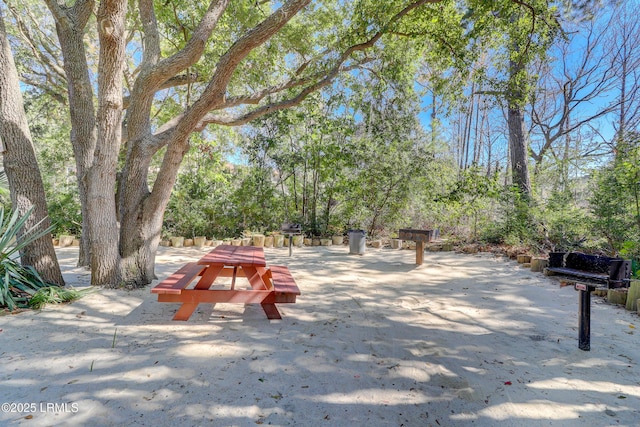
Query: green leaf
[20, 282]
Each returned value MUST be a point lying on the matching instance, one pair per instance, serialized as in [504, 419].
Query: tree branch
[39, 46]
[155, 72]
[175, 81]
[214, 99]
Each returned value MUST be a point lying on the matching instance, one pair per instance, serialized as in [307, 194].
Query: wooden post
[419, 252]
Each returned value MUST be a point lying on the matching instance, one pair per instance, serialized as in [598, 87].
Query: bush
[615, 203]
[515, 224]
[565, 224]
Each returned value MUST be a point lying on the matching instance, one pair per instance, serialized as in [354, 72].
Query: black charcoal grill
[291, 229]
[419, 237]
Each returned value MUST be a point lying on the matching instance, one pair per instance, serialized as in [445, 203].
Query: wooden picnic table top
[235, 256]
[248, 262]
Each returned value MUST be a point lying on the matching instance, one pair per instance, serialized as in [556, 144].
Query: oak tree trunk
[82, 112]
[141, 214]
[102, 221]
[20, 164]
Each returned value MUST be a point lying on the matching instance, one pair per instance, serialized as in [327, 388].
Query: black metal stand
[290, 230]
[584, 315]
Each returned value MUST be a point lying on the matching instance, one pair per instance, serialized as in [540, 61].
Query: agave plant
[18, 283]
[4, 185]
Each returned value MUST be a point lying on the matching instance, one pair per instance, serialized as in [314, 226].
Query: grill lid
[291, 228]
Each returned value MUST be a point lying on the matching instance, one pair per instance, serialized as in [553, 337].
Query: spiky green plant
[18, 283]
[4, 185]
[56, 295]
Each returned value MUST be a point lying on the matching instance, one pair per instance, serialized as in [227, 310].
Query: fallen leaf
[507, 383]
[28, 417]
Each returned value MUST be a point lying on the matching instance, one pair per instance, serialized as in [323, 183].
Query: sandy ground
[374, 340]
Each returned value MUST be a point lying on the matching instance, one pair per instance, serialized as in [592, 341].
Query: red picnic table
[268, 285]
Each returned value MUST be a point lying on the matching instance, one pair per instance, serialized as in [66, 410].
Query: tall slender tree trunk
[518, 138]
[82, 112]
[21, 167]
[622, 119]
[564, 179]
[469, 125]
[519, 150]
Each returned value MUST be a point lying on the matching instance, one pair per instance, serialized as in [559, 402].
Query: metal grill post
[290, 243]
[584, 315]
[290, 230]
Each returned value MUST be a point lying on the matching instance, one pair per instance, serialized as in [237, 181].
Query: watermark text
[38, 407]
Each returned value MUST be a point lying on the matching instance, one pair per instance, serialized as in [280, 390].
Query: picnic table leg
[256, 277]
[209, 275]
[271, 311]
[185, 311]
[233, 280]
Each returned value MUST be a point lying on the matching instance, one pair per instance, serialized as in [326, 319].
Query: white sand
[374, 340]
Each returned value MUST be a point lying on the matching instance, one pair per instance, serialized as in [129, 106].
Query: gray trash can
[357, 241]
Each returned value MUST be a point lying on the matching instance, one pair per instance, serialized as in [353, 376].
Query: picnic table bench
[268, 285]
